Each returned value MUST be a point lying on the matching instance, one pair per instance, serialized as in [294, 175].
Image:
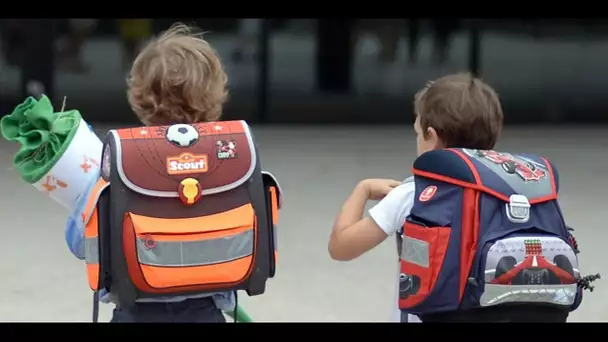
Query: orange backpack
[189, 211]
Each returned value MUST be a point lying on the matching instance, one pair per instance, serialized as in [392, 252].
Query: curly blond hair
[177, 78]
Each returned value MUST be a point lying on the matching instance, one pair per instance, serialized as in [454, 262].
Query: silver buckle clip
[518, 209]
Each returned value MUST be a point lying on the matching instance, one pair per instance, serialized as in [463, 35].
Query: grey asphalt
[317, 167]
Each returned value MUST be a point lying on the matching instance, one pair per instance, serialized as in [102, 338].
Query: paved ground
[547, 79]
[42, 281]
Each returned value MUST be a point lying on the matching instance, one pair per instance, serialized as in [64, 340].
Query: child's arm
[74, 236]
[353, 235]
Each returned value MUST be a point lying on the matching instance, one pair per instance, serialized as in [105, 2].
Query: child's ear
[432, 137]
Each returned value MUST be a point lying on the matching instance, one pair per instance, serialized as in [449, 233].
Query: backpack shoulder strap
[398, 236]
[93, 197]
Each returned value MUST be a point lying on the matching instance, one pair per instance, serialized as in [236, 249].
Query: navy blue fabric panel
[444, 209]
[445, 296]
[445, 163]
[444, 205]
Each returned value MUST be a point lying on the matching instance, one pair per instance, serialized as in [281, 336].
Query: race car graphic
[527, 170]
[534, 269]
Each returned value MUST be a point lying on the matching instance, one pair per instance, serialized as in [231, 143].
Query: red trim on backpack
[468, 236]
[478, 185]
[438, 240]
[550, 170]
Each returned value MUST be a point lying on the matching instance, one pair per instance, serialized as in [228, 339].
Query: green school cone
[58, 153]
[241, 315]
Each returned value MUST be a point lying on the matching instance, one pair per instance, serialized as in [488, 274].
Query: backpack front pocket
[423, 253]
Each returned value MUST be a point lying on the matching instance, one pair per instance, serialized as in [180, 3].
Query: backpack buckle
[190, 191]
[518, 209]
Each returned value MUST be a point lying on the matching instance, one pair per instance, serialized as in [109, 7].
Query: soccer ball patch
[182, 135]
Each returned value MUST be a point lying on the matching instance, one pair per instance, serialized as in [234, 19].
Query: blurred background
[322, 71]
[358, 74]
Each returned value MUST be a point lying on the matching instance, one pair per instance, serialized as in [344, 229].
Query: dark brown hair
[464, 110]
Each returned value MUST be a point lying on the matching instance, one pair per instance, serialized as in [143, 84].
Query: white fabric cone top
[71, 174]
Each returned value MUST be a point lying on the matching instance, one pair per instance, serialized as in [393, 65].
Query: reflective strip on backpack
[563, 294]
[415, 251]
[195, 253]
[91, 250]
[90, 218]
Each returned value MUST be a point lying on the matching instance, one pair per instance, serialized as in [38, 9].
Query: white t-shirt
[389, 214]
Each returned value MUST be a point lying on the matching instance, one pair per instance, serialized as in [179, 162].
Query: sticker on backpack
[225, 149]
[531, 269]
[526, 169]
[428, 193]
[187, 163]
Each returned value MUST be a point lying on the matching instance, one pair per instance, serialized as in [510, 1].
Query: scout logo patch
[226, 149]
[187, 163]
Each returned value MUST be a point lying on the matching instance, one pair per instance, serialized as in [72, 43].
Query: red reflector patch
[427, 193]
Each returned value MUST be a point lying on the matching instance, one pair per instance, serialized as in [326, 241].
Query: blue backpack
[486, 229]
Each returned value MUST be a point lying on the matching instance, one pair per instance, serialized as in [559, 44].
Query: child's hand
[378, 188]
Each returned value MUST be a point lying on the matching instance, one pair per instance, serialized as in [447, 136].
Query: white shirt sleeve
[390, 213]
